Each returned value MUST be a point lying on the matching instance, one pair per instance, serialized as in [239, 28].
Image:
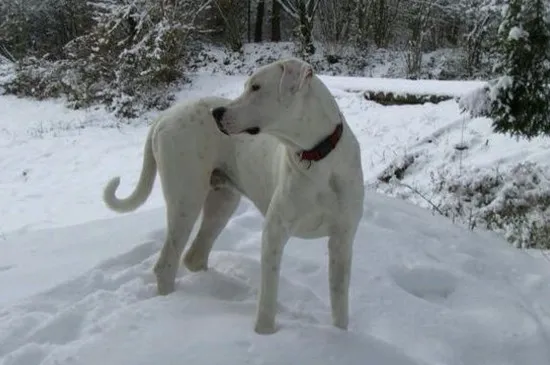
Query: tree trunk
[381, 26]
[276, 21]
[305, 27]
[248, 19]
[259, 21]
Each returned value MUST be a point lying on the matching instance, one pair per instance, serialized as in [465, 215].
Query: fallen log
[389, 98]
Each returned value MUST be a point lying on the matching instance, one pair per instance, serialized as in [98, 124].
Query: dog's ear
[296, 74]
[306, 74]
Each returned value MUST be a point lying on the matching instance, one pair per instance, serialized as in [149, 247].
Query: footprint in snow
[76, 308]
[6, 267]
[425, 282]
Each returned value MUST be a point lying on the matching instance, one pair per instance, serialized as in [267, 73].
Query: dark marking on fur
[253, 131]
[219, 180]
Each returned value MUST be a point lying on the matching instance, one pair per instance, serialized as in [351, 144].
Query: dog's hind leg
[181, 217]
[184, 197]
[220, 204]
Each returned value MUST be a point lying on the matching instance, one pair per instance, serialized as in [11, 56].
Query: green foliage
[520, 99]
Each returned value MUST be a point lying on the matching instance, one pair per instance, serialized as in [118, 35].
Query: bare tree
[230, 13]
[425, 18]
[303, 11]
[363, 22]
[276, 21]
[380, 28]
[419, 24]
[481, 18]
[335, 25]
[260, 10]
[248, 19]
[383, 14]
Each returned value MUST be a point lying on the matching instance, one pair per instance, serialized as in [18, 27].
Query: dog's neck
[319, 119]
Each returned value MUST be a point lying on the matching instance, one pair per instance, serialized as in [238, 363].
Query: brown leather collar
[323, 148]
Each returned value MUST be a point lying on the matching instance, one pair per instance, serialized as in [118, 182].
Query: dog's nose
[218, 113]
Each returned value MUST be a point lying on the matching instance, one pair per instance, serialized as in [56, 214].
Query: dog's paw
[194, 262]
[340, 318]
[165, 289]
[165, 286]
[165, 272]
[265, 328]
[341, 324]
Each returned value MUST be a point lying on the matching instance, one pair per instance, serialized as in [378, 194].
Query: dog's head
[272, 95]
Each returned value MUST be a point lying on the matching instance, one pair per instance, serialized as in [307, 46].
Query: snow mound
[423, 291]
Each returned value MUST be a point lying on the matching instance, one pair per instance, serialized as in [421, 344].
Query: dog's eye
[255, 87]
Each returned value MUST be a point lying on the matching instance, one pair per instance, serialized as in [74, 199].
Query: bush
[515, 203]
[39, 27]
[397, 169]
[133, 52]
[41, 79]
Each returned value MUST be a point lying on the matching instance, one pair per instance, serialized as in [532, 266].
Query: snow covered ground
[76, 285]
[423, 292]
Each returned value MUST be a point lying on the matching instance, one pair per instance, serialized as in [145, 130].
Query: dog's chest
[314, 216]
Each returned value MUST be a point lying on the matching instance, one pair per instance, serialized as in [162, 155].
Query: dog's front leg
[340, 245]
[275, 235]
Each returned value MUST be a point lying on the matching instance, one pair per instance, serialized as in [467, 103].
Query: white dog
[301, 169]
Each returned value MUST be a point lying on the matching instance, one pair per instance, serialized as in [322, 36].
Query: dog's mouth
[252, 131]
[221, 128]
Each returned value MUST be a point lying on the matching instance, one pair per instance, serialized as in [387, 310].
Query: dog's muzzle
[218, 113]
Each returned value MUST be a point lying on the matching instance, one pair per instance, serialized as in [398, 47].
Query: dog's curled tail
[143, 188]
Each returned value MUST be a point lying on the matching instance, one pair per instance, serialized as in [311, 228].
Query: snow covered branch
[302, 11]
